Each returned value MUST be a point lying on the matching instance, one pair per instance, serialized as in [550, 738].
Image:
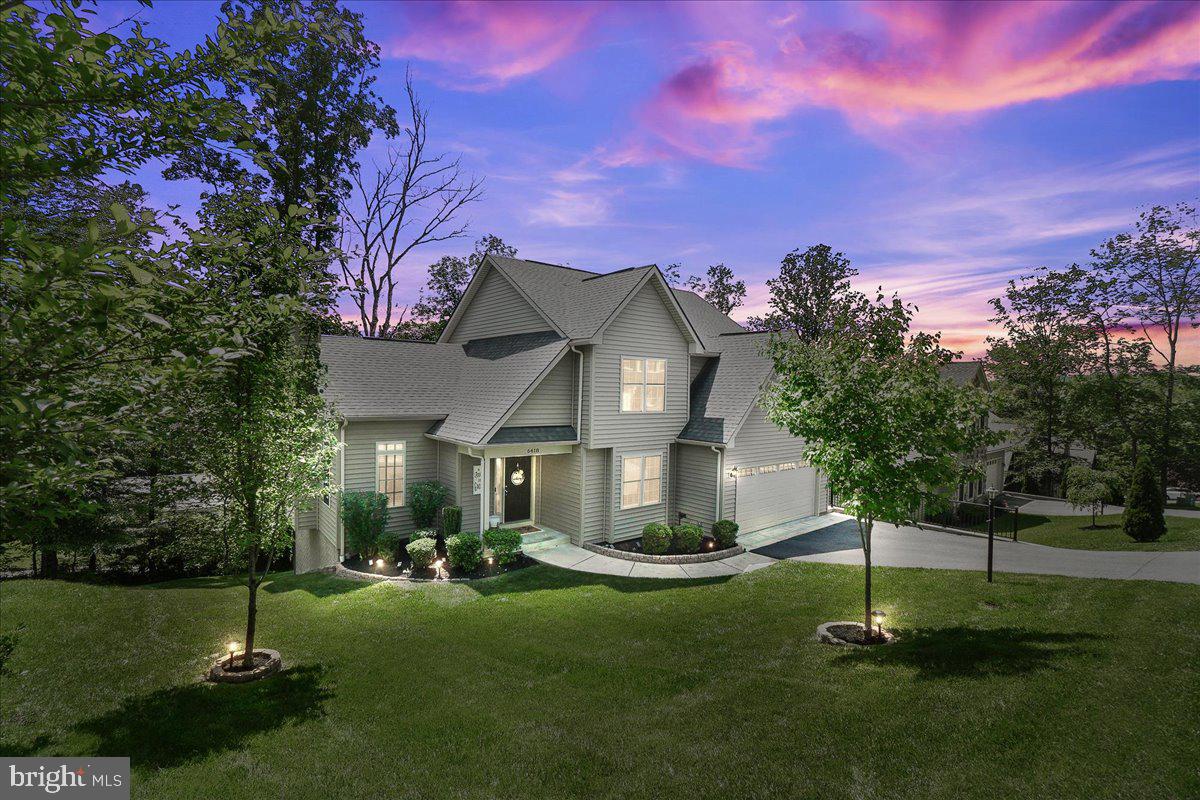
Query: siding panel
[468, 501]
[558, 492]
[628, 522]
[497, 310]
[420, 459]
[696, 484]
[553, 401]
[597, 500]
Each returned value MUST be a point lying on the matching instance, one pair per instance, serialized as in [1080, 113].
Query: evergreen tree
[1143, 520]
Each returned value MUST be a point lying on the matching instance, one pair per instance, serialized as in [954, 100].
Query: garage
[774, 493]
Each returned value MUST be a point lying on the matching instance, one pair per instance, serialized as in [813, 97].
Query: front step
[543, 540]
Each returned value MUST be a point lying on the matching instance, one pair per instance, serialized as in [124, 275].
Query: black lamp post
[991, 493]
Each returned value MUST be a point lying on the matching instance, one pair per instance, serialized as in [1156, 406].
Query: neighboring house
[583, 403]
[996, 458]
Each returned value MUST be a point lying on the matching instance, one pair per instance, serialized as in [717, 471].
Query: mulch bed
[635, 546]
[852, 634]
[403, 569]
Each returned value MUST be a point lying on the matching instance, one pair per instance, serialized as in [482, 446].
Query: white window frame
[403, 489]
[662, 460]
[644, 384]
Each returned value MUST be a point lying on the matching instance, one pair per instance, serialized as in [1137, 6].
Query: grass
[1183, 533]
[551, 684]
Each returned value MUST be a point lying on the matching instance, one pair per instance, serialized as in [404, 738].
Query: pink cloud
[911, 62]
[491, 44]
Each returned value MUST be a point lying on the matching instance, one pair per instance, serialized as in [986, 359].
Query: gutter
[720, 480]
[579, 397]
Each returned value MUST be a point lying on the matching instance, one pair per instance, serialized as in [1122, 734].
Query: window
[389, 471]
[643, 385]
[641, 481]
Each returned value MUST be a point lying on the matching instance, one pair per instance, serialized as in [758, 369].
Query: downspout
[579, 396]
[720, 480]
[341, 534]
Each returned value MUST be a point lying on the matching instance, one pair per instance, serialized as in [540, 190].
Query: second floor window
[643, 384]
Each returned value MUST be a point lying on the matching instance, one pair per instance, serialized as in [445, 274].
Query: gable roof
[963, 373]
[725, 390]
[708, 321]
[468, 387]
[577, 303]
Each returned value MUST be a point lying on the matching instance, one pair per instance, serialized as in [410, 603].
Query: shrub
[505, 543]
[422, 552]
[686, 538]
[1086, 489]
[725, 531]
[451, 521]
[465, 551]
[656, 538]
[364, 515]
[424, 500]
[425, 534]
[1143, 520]
[392, 542]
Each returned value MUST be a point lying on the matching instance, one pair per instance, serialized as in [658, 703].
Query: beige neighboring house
[568, 401]
[997, 458]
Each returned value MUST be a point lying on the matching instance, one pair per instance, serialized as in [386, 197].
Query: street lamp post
[991, 494]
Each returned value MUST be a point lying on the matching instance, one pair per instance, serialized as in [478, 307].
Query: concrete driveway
[838, 543]
[1061, 508]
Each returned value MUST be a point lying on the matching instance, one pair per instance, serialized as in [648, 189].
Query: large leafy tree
[264, 434]
[1036, 361]
[310, 103]
[96, 323]
[811, 295]
[876, 416]
[720, 288]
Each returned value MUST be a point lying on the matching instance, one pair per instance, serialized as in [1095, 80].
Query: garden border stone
[683, 558]
[825, 636]
[274, 663]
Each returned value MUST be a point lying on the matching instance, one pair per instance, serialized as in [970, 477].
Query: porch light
[878, 616]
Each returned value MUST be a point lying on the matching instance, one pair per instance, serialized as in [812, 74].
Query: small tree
[1143, 519]
[365, 516]
[1086, 488]
[424, 499]
[876, 417]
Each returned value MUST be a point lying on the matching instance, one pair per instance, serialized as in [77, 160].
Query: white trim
[403, 470]
[662, 462]
[621, 383]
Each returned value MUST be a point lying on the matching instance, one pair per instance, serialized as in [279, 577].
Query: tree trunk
[92, 562]
[49, 563]
[867, 575]
[33, 559]
[251, 615]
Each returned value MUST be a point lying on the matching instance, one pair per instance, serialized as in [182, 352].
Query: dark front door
[518, 478]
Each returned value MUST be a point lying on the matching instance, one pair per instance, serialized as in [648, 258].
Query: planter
[681, 558]
[266, 663]
[850, 634]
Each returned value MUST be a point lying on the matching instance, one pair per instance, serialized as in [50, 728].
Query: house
[995, 458]
[564, 400]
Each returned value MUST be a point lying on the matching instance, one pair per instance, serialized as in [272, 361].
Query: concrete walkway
[833, 539]
[1061, 508]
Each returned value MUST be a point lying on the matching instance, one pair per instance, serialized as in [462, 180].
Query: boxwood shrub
[422, 551]
[465, 551]
[725, 531]
[505, 543]
[422, 534]
[392, 543]
[656, 538]
[686, 538]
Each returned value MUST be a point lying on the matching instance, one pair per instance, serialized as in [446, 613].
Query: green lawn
[1183, 533]
[551, 684]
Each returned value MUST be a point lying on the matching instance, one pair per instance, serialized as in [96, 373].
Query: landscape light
[878, 616]
[232, 650]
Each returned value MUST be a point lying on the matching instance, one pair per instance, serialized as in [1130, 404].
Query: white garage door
[771, 495]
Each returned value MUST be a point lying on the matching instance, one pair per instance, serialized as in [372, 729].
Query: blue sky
[945, 148]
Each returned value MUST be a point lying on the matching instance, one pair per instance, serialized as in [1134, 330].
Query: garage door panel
[770, 498]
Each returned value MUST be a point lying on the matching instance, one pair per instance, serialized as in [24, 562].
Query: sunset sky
[943, 147]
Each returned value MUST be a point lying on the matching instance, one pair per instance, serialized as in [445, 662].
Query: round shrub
[423, 534]
[656, 538]
[725, 531]
[686, 538]
[505, 543]
[422, 552]
[465, 551]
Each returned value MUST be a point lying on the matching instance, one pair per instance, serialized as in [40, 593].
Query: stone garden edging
[685, 558]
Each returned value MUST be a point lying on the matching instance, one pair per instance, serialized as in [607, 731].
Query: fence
[966, 516]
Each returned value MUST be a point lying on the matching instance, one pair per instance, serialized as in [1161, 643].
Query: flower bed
[391, 570]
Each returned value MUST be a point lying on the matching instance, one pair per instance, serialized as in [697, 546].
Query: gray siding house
[581, 403]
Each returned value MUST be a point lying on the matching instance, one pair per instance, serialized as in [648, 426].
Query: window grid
[643, 385]
[389, 472]
[641, 481]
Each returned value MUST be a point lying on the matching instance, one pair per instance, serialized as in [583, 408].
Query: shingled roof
[961, 372]
[468, 387]
[727, 387]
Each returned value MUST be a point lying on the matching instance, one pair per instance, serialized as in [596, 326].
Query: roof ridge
[362, 338]
[619, 271]
[743, 333]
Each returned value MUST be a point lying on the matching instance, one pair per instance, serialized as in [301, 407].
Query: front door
[518, 477]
